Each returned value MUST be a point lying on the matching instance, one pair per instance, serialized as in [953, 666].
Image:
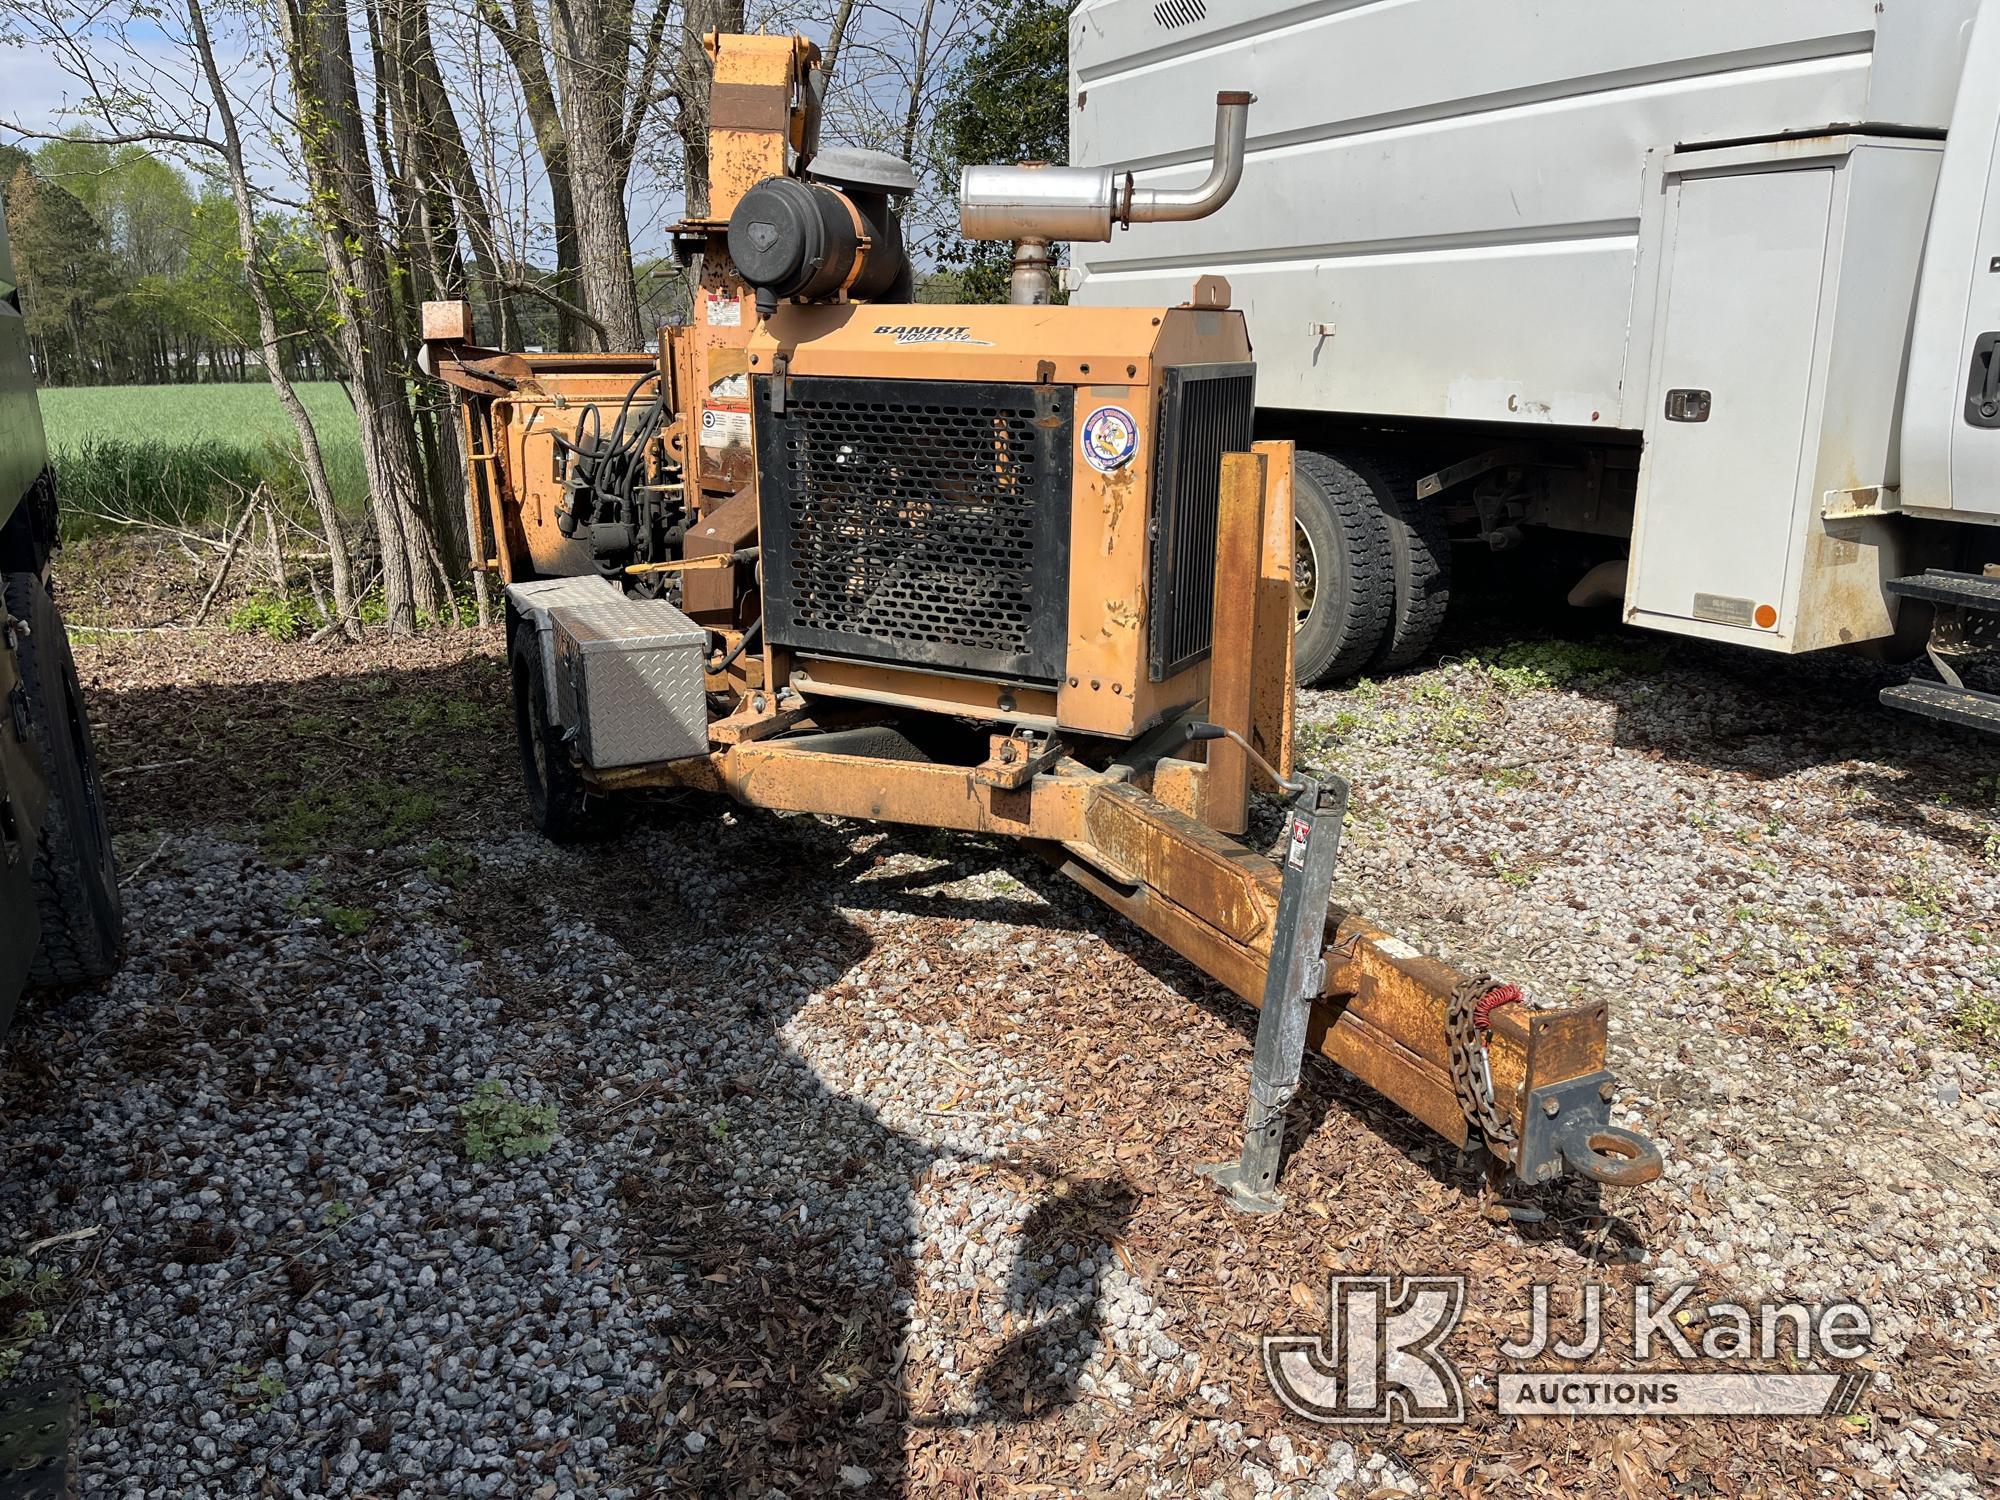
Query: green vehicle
[60, 915]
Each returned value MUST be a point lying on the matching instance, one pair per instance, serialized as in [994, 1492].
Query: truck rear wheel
[1373, 569]
[1419, 561]
[1346, 596]
[561, 807]
[75, 877]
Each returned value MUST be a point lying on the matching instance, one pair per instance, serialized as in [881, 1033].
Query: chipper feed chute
[1015, 570]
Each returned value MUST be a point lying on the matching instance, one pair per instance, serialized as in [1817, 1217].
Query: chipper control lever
[1295, 978]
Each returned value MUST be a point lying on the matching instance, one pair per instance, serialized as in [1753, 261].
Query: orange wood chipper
[1018, 569]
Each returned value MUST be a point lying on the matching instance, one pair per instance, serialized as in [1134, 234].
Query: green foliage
[383, 812]
[1529, 666]
[1924, 897]
[267, 614]
[1977, 1020]
[349, 921]
[449, 864]
[254, 1389]
[1008, 101]
[498, 1124]
[130, 272]
[25, 1296]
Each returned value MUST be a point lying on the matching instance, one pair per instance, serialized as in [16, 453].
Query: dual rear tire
[1373, 566]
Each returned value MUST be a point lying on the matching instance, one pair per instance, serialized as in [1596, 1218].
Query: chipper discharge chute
[1013, 569]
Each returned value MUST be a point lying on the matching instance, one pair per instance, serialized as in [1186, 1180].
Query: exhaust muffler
[1034, 204]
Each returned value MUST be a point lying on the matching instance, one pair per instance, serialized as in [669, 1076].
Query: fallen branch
[65, 1238]
[228, 557]
[156, 765]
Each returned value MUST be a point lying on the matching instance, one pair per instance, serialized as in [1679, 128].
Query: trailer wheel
[560, 806]
[75, 878]
[1346, 595]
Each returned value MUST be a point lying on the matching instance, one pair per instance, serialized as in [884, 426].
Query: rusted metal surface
[451, 321]
[720, 598]
[894, 687]
[1177, 783]
[758, 717]
[1274, 687]
[1016, 759]
[482, 482]
[1188, 863]
[1239, 556]
[791, 777]
[757, 108]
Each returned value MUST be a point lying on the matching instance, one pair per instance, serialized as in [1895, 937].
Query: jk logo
[1381, 1359]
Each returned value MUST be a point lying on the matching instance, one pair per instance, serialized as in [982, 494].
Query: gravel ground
[869, 1167]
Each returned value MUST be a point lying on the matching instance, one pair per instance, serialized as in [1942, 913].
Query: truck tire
[1346, 595]
[1419, 561]
[75, 877]
[560, 806]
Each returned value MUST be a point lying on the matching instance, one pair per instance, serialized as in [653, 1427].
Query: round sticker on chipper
[1110, 438]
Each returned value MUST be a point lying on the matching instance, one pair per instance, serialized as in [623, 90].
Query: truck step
[1942, 586]
[37, 1425]
[1947, 704]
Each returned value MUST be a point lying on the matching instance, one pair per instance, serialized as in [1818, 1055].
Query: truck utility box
[1787, 282]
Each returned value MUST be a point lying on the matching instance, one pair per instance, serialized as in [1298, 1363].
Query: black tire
[1419, 561]
[75, 876]
[561, 808]
[1345, 586]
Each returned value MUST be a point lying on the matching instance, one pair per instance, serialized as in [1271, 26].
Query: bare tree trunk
[312, 460]
[835, 35]
[340, 176]
[593, 42]
[442, 161]
[918, 65]
[520, 37]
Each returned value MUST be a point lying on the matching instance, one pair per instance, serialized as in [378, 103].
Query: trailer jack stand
[1292, 983]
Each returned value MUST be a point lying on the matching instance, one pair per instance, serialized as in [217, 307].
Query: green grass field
[184, 453]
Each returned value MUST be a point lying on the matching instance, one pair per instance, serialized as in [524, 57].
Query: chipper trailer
[1004, 569]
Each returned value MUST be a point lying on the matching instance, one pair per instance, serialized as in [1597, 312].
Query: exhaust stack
[1034, 204]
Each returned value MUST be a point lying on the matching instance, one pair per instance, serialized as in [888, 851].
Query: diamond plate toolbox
[629, 681]
[533, 600]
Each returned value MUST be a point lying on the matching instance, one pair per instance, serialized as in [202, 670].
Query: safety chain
[1473, 1001]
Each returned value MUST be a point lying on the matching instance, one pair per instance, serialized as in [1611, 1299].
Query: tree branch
[560, 304]
[122, 138]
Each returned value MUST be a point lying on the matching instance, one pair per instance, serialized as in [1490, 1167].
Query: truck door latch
[1982, 389]
[1689, 406]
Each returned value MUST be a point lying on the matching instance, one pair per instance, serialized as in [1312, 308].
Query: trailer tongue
[1011, 570]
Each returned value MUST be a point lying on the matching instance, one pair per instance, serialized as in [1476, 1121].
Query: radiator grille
[1205, 412]
[918, 522]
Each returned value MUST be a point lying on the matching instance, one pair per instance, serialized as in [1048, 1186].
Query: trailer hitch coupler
[1610, 1154]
